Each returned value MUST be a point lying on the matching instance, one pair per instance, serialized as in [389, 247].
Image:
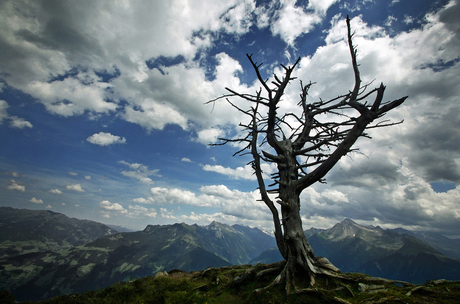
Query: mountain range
[123, 256]
[26, 231]
[391, 254]
[46, 253]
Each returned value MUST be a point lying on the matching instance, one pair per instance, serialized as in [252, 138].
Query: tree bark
[299, 255]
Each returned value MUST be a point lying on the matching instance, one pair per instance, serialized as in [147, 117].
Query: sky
[103, 112]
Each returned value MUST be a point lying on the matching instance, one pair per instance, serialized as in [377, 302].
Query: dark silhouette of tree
[303, 151]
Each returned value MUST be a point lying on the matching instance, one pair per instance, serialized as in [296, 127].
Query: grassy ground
[218, 286]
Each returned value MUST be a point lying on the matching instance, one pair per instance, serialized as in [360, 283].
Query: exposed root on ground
[285, 273]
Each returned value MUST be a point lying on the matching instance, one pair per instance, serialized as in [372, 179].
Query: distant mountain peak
[216, 224]
[346, 228]
[348, 221]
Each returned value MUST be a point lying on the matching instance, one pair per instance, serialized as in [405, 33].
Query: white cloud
[73, 173]
[321, 6]
[139, 172]
[36, 201]
[15, 186]
[105, 139]
[131, 32]
[421, 63]
[185, 159]
[238, 18]
[218, 191]
[209, 136]
[154, 116]
[48, 207]
[408, 19]
[245, 172]
[164, 213]
[231, 202]
[88, 177]
[76, 187]
[335, 196]
[163, 196]
[70, 97]
[3, 111]
[55, 191]
[19, 123]
[397, 197]
[106, 205]
[15, 122]
[390, 20]
[141, 200]
[139, 211]
[292, 21]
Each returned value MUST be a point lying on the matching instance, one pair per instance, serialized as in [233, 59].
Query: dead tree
[303, 151]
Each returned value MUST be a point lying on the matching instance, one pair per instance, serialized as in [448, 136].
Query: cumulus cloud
[186, 160]
[15, 122]
[390, 182]
[139, 172]
[105, 139]
[139, 211]
[209, 136]
[162, 196]
[55, 191]
[154, 116]
[245, 172]
[141, 200]
[75, 187]
[289, 20]
[396, 198]
[36, 201]
[37, 59]
[320, 6]
[106, 205]
[133, 211]
[44, 68]
[409, 64]
[14, 185]
[164, 213]
[19, 123]
[382, 185]
[70, 97]
[235, 203]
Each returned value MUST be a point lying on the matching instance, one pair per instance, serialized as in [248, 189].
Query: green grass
[214, 286]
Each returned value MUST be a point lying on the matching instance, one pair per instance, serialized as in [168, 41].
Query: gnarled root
[259, 271]
[319, 267]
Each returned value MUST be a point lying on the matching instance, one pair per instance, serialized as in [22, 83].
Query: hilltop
[225, 285]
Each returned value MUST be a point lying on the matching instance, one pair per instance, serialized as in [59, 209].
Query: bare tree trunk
[299, 256]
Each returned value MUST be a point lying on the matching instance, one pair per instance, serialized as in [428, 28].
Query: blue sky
[102, 112]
